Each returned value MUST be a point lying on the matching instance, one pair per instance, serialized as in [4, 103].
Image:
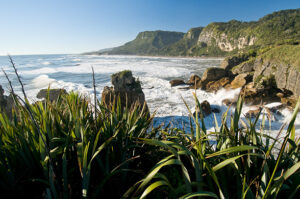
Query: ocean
[73, 72]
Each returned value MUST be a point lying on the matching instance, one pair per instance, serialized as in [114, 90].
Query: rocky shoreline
[261, 82]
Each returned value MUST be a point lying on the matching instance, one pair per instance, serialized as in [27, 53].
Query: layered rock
[214, 35]
[211, 75]
[126, 88]
[244, 67]
[240, 81]
[254, 95]
[282, 75]
[213, 86]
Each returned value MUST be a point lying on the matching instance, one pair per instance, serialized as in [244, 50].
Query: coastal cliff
[146, 43]
[268, 75]
[217, 38]
[264, 53]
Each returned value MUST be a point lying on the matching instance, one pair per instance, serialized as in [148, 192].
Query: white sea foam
[154, 74]
[42, 81]
[46, 63]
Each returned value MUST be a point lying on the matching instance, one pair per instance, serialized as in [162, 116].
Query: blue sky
[75, 26]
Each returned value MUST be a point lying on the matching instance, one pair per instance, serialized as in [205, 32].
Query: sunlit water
[73, 72]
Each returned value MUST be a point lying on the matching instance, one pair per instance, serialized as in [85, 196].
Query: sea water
[74, 73]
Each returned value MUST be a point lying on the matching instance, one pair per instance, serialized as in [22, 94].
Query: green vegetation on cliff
[218, 38]
[288, 54]
[149, 42]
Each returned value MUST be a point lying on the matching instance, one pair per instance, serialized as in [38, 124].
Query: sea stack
[125, 87]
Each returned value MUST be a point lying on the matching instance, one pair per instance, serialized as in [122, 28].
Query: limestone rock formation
[245, 67]
[126, 88]
[239, 81]
[254, 95]
[281, 74]
[214, 86]
[229, 62]
[212, 74]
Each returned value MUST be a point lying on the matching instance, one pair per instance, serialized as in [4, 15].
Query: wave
[44, 70]
[42, 81]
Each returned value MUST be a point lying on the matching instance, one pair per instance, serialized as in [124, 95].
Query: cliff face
[147, 43]
[193, 33]
[183, 46]
[278, 67]
[276, 28]
[282, 64]
[224, 42]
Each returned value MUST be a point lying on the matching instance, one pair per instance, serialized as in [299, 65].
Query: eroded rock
[212, 74]
[214, 86]
[229, 62]
[125, 87]
[239, 81]
[245, 67]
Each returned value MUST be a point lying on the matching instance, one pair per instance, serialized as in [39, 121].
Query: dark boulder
[53, 94]
[177, 82]
[229, 102]
[6, 103]
[230, 62]
[205, 107]
[194, 79]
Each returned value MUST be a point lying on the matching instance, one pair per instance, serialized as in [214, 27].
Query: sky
[76, 26]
